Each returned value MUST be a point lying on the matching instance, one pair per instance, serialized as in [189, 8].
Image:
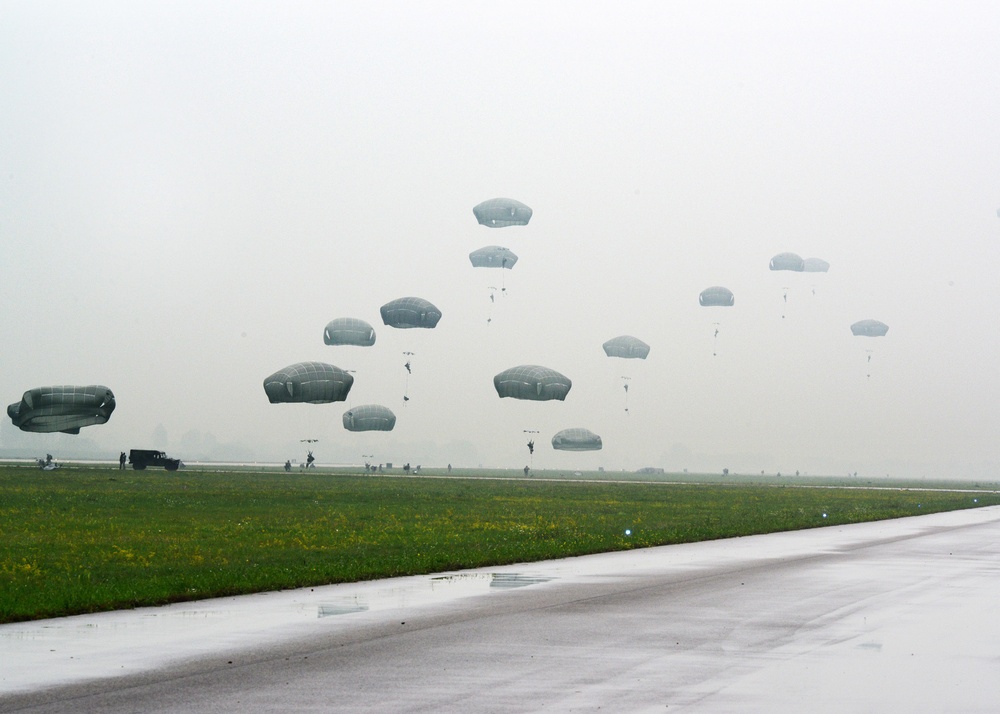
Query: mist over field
[191, 192]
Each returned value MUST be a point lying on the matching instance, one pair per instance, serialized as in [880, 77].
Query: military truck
[141, 458]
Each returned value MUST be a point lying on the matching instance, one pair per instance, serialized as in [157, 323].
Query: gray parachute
[311, 382]
[815, 265]
[493, 256]
[349, 331]
[369, 417]
[501, 212]
[532, 382]
[626, 347]
[716, 296]
[869, 328]
[576, 439]
[787, 261]
[64, 408]
[410, 312]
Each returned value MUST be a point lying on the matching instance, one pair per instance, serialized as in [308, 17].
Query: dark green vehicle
[141, 458]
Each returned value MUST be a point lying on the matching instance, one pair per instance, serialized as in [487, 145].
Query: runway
[887, 616]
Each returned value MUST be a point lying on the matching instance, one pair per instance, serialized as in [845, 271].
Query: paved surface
[890, 616]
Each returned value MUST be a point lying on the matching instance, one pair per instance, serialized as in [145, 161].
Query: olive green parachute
[311, 382]
[787, 261]
[716, 296]
[501, 212]
[369, 417]
[493, 256]
[815, 265]
[410, 312]
[576, 439]
[869, 328]
[626, 347]
[349, 331]
[64, 408]
[532, 382]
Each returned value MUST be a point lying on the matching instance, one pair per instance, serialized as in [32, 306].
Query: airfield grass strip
[77, 541]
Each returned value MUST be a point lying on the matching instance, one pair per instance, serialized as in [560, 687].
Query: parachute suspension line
[489, 315]
[409, 370]
[531, 447]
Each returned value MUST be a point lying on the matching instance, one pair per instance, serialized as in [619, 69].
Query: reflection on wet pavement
[433, 589]
[342, 607]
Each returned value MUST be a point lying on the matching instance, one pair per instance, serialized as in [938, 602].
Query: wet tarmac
[871, 617]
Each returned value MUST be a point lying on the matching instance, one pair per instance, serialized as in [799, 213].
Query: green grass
[83, 540]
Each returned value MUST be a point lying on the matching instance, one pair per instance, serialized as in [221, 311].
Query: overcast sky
[191, 191]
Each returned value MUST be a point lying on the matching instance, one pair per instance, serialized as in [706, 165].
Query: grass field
[80, 540]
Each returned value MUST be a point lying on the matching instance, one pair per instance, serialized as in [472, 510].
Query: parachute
[869, 328]
[717, 296]
[406, 313]
[501, 212]
[787, 261]
[533, 383]
[349, 331]
[312, 382]
[410, 312]
[493, 256]
[576, 440]
[64, 408]
[626, 347]
[369, 417]
[815, 265]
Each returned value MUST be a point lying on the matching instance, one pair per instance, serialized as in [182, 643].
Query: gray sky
[190, 193]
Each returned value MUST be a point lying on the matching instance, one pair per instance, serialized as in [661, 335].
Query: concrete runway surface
[889, 616]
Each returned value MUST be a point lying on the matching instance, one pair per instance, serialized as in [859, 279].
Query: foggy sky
[190, 193]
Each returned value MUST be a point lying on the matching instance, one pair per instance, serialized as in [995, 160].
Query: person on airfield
[121, 461]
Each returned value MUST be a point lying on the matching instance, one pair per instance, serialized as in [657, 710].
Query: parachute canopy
[627, 347]
[64, 408]
[530, 381]
[312, 382]
[369, 417]
[501, 212]
[576, 440]
[815, 265]
[349, 331]
[787, 261]
[869, 328]
[409, 312]
[716, 296]
[493, 256]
